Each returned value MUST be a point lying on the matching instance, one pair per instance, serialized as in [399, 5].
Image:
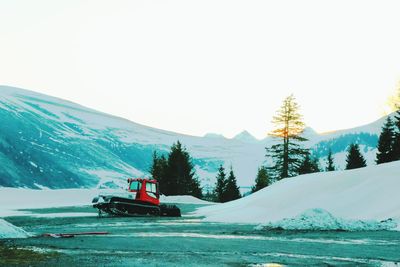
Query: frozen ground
[368, 194]
[190, 241]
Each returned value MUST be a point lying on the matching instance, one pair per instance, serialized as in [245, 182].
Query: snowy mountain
[246, 137]
[214, 135]
[50, 142]
[366, 136]
[309, 133]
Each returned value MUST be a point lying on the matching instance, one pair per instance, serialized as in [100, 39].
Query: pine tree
[396, 142]
[262, 179]
[354, 158]
[309, 165]
[195, 188]
[331, 166]
[219, 190]
[386, 143]
[180, 174]
[288, 153]
[158, 170]
[231, 189]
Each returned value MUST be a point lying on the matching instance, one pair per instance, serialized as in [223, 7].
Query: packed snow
[14, 199]
[366, 197]
[319, 219]
[183, 200]
[8, 230]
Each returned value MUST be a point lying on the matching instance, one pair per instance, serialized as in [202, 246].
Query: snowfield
[7, 230]
[361, 199]
[335, 200]
[14, 199]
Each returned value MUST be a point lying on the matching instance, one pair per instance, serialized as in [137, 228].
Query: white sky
[207, 66]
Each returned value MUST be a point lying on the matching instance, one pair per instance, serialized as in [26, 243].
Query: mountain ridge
[89, 148]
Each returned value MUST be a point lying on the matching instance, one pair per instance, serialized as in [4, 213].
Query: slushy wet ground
[188, 241]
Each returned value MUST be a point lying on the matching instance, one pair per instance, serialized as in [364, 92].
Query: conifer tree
[309, 165]
[179, 178]
[354, 158]
[287, 154]
[386, 143]
[330, 165]
[231, 189]
[195, 188]
[262, 179]
[219, 190]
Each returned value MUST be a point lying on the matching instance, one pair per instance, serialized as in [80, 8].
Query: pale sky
[207, 66]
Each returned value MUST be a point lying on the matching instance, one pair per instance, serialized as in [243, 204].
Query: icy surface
[7, 230]
[63, 214]
[319, 219]
[369, 193]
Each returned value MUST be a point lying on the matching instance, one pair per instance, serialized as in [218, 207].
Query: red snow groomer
[142, 198]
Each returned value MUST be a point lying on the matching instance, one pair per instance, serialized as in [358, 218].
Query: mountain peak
[214, 135]
[309, 133]
[245, 136]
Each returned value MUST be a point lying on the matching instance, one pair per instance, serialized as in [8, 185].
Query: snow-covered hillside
[50, 142]
[369, 193]
[53, 143]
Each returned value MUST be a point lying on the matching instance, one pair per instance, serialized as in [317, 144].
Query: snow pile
[320, 219]
[369, 193]
[7, 230]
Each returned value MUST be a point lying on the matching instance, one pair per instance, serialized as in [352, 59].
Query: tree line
[290, 158]
[176, 173]
[226, 188]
